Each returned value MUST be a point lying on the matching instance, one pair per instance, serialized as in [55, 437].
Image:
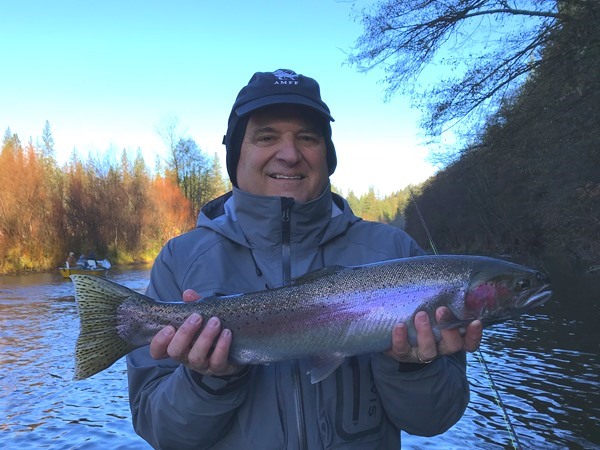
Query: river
[545, 367]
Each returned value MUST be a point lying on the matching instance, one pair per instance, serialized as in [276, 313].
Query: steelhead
[326, 315]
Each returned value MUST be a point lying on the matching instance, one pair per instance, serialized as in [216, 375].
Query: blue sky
[107, 74]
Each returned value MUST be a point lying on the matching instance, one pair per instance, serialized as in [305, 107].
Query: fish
[324, 316]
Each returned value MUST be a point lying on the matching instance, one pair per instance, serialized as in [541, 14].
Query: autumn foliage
[117, 210]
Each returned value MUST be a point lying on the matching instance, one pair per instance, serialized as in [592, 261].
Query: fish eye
[523, 284]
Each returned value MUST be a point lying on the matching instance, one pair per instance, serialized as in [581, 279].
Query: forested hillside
[529, 183]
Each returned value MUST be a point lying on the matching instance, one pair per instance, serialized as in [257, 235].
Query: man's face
[283, 154]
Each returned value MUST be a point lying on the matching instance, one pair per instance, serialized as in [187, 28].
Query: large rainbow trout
[326, 315]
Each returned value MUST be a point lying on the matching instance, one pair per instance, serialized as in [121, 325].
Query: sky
[107, 75]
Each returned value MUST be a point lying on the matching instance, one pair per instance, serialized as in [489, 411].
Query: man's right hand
[200, 355]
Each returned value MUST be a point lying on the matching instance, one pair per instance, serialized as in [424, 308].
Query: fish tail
[99, 344]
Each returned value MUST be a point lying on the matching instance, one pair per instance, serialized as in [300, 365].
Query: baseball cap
[283, 86]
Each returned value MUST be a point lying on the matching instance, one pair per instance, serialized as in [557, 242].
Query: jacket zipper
[286, 206]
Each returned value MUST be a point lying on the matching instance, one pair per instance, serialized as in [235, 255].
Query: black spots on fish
[95, 353]
[256, 315]
[128, 328]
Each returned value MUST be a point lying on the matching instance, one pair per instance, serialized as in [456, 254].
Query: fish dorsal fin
[316, 274]
[324, 365]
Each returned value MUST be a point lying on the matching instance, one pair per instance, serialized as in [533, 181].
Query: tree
[217, 185]
[169, 131]
[47, 148]
[11, 144]
[190, 167]
[492, 46]
[169, 213]
[10, 225]
[354, 203]
[369, 205]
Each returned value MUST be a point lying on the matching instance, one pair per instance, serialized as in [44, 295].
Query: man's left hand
[427, 349]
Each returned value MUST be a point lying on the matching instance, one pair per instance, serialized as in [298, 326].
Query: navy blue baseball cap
[282, 86]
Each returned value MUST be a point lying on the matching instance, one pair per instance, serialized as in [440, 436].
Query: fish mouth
[525, 302]
[532, 299]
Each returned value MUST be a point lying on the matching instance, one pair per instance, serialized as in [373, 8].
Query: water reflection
[545, 366]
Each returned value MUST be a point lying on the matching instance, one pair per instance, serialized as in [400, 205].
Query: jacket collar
[256, 221]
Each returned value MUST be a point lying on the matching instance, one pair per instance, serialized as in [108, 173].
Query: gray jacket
[245, 243]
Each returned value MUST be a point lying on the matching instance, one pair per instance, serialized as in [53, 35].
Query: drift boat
[90, 267]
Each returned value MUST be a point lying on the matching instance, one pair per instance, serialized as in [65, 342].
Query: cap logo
[285, 77]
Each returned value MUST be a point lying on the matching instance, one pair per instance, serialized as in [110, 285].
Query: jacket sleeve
[426, 401]
[171, 406]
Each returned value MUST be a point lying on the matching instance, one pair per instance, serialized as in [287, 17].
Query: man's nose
[288, 150]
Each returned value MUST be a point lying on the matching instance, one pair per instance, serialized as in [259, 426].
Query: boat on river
[87, 267]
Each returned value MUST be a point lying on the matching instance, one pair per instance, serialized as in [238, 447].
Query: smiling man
[281, 221]
[283, 154]
[279, 129]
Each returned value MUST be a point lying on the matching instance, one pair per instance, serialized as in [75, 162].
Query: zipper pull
[286, 206]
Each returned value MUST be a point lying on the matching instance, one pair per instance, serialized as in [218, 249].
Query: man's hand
[208, 355]
[427, 349]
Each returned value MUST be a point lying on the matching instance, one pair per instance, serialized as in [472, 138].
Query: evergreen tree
[47, 148]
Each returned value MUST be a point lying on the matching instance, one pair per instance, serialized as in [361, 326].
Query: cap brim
[281, 99]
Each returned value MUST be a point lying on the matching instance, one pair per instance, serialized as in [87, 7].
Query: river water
[545, 368]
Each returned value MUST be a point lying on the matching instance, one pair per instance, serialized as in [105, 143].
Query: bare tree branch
[405, 36]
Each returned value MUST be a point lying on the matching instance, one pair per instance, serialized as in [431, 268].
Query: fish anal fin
[324, 365]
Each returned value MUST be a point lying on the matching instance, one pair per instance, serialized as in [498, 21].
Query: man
[71, 260]
[281, 221]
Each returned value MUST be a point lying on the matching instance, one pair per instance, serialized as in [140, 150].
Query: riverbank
[553, 264]
[116, 262]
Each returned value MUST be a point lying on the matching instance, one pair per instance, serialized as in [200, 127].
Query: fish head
[500, 290]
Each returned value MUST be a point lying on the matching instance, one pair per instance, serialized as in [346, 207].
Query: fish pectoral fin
[324, 365]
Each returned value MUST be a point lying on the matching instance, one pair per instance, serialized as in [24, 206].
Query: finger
[452, 341]
[400, 345]
[199, 354]
[189, 295]
[473, 336]
[181, 343]
[160, 342]
[219, 359]
[426, 345]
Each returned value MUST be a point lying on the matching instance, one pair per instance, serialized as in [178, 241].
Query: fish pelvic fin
[323, 366]
[99, 344]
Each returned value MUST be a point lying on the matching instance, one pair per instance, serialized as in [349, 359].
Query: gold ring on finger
[424, 361]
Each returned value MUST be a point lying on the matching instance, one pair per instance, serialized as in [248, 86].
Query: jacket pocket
[356, 413]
